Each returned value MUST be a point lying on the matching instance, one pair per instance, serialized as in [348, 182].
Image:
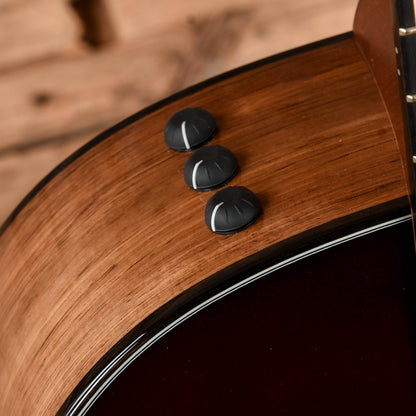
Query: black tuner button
[189, 129]
[231, 210]
[210, 167]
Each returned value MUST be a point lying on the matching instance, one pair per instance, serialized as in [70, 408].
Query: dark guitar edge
[404, 17]
[189, 302]
[154, 107]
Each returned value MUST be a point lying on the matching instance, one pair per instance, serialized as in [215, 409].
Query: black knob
[210, 167]
[231, 210]
[189, 128]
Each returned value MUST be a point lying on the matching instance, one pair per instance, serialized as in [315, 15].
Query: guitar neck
[405, 30]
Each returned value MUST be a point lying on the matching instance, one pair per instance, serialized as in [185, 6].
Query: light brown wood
[269, 24]
[85, 89]
[117, 233]
[374, 33]
[54, 95]
[21, 170]
[81, 92]
[32, 30]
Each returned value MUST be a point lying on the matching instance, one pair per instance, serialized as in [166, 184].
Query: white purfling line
[214, 213]
[75, 407]
[184, 136]
[194, 174]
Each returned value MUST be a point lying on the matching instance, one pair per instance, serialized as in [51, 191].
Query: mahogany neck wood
[374, 32]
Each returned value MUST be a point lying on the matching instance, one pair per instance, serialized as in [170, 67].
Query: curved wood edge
[133, 344]
[374, 34]
[154, 107]
[115, 235]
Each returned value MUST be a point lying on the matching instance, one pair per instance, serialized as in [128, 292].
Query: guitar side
[114, 233]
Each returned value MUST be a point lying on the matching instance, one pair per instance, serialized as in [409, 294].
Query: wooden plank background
[69, 69]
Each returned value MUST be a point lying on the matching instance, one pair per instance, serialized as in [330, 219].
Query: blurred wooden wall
[69, 69]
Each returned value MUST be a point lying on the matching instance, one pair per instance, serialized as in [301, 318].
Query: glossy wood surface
[374, 33]
[339, 334]
[116, 234]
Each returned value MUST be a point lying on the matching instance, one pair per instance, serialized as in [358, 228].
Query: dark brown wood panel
[374, 34]
[117, 233]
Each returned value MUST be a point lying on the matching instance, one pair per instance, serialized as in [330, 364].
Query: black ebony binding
[406, 56]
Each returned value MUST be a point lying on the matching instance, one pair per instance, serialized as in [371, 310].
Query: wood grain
[117, 233]
[20, 170]
[269, 23]
[61, 96]
[54, 95]
[374, 33]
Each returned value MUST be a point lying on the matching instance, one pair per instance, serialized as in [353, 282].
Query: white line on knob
[184, 136]
[194, 174]
[214, 213]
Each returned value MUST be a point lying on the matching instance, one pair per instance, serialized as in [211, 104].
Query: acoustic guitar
[288, 289]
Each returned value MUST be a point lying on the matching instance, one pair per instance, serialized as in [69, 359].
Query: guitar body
[106, 254]
[328, 334]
